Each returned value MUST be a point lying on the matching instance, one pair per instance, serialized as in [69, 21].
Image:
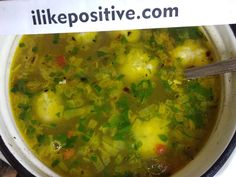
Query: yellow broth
[114, 103]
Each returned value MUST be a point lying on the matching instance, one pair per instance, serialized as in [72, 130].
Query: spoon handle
[220, 67]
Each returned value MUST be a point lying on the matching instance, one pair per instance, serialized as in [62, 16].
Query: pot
[208, 161]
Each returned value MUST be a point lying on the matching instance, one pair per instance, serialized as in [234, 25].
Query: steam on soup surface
[114, 104]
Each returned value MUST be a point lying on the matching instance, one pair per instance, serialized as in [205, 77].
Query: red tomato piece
[61, 61]
[160, 149]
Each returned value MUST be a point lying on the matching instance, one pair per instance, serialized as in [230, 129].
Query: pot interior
[223, 131]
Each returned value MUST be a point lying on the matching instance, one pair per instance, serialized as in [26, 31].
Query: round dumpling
[191, 53]
[48, 107]
[137, 65]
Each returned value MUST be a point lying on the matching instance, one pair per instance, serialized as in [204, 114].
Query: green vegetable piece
[101, 53]
[120, 77]
[21, 45]
[30, 131]
[142, 90]
[56, 38]
[41, 139]
[70, 142]
[74, 50]
[20, 86]
[94, 158]
[48, 58]
[35, 49]
[25, 111]
[163, 137]
[182, 34]
[165, 84]
[152, 42]
[122, 103]
[66, 142]
[23, 107]
[82, 125]
[137, 145]
[86, 137]
[97, 88]
[196, 87]
[123, 40]
[77, 112]
[55, 163]
[62, 138]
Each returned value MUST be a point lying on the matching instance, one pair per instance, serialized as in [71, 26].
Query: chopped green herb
[166, 85]
[93, 158]
[20, 86]
[123, 104]
[137, 145]
[70, 142]
[196, 87]
[82, 125]
[97, 88]
[25, 110]
[62, 138]
[41, 139]
[120, 77]
[56, 38]
[86, 137]
[123, 40]
[35, 49]
[101, 53]
[48, 58]
[58, 114]
[21, 45]
[30, 131]
[163, 137]
[74, 50]
[142, 90]
[55, 163]
[181, 34]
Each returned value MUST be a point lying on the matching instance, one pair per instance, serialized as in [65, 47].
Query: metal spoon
[220, 67]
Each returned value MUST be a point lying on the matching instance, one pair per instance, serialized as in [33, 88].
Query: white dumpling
[137, 65]
[191, 53]
[48, 107]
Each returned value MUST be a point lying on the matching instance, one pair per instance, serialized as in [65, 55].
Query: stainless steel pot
[213, 155]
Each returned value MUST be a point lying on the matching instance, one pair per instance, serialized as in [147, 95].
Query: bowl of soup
[117, 103]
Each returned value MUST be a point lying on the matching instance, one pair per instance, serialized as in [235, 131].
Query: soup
[114, 103]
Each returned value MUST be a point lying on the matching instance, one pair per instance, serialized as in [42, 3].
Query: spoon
[220, 67]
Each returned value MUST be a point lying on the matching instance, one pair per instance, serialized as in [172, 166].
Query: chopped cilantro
[35, 49]
[21, 45]
[55, 163]
[70, 142]
[197, 88]
[142, 90]
[123, 40]
[48, 58]
[67, 142]
[181, 34]
[74, 50]
[30, 131]
[93, 157]
[163, 137]
[20, 86]
[101, 53]
[24, 111]
[41, 139]
[97, 88]
[55, 38]
[86, 137]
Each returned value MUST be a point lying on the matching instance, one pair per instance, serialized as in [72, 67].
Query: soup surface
[114, 104]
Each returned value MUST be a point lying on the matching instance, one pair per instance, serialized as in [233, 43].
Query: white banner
[57, 16]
